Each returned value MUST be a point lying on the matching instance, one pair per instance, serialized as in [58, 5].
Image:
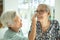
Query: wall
[10, 5]
[57, 10]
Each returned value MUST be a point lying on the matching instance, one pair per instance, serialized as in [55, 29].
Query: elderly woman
[14, 24]
[43, 28]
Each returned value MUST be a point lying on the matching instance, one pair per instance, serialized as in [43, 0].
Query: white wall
[57, 10]
[10, 5]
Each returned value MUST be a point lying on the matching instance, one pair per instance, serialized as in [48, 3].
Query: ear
[49, 14]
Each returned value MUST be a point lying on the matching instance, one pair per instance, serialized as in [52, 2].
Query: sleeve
[19, 36]
[57, 30]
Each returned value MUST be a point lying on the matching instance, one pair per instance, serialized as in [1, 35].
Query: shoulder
[55, 22]
[19, 36]
[9, 34]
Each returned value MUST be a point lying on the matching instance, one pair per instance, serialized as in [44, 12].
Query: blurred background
[26, 9]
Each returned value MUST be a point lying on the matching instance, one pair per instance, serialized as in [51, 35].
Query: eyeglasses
[41, 11]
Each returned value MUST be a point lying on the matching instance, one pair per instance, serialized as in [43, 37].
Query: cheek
[17, 22]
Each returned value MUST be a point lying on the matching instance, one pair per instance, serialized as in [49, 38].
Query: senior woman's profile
[12, 20]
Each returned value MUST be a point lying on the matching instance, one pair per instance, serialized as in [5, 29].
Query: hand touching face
[34, 18]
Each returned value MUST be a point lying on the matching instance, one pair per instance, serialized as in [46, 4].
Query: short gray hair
[8, 17]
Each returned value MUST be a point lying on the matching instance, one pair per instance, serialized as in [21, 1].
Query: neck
[44, 23]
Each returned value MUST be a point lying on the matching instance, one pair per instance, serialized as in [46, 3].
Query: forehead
[42, 7]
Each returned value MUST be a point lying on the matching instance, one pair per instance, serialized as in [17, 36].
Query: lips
[20, 24]
[40, 17]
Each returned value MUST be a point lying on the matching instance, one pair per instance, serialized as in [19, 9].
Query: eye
[36, 11]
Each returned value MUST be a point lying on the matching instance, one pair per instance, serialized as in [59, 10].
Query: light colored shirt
[11, 35]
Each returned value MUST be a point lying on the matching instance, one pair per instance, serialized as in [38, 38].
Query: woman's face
[18, 21]
[42, 13]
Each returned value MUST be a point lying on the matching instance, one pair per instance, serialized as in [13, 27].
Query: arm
[58, 33]
[32, 33]
[57, 26]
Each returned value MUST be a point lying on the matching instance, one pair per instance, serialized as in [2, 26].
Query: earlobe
[49, 14]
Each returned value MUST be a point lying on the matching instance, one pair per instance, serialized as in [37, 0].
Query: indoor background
[26, 9]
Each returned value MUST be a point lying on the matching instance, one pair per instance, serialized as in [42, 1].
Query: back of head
[8, 17]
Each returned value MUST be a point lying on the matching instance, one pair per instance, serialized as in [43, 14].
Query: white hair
[8, 17]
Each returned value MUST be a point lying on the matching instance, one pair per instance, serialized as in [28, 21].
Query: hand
[34, 19]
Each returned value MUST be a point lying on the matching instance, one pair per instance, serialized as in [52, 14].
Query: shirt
[52, 33]
[11, 35]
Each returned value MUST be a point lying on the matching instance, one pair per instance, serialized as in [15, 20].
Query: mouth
[20, 25]
[40, 17]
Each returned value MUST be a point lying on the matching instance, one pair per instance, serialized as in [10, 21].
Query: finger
[35, 14]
